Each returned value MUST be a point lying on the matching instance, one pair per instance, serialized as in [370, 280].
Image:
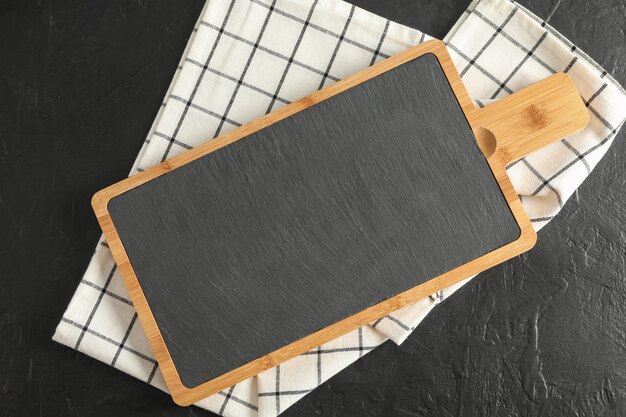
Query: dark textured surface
[80, 83]
[311, 220]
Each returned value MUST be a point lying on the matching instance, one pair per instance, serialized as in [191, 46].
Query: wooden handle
[531, 118]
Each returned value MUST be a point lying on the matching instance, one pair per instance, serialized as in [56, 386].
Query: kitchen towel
[246, 58]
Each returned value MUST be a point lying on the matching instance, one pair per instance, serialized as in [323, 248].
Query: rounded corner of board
[181, 399]
[532, 238]
[181, 394]
[527, 238]
[100, 202]
[438, 48]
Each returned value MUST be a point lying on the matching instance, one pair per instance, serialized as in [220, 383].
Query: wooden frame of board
[506, 131]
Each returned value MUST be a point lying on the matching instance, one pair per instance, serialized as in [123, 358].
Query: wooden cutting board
[325, 215]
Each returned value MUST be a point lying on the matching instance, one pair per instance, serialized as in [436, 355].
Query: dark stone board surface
[311, 220]
[81, 81]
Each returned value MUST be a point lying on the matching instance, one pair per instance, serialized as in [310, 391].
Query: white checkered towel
[248, 57]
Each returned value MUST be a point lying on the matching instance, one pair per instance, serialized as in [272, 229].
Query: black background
[80, 84]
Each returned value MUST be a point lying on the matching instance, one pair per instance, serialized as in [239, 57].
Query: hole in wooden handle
[486, 141]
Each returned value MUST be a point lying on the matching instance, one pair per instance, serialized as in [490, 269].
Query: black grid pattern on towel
[176, 139]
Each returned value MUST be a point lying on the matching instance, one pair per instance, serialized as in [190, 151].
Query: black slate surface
[80, 83]
[311, 220]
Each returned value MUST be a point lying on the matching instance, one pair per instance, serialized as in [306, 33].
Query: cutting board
[325, 215]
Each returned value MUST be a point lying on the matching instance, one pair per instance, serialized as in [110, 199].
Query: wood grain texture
[538, 130]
